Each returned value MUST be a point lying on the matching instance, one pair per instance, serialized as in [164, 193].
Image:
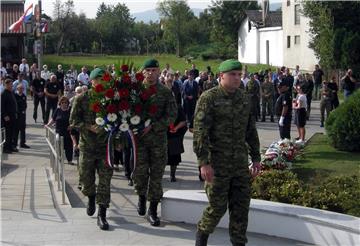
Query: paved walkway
[32, 213]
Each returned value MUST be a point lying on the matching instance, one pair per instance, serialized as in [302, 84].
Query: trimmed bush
[343, 124]
[338, 194]
[277, 186]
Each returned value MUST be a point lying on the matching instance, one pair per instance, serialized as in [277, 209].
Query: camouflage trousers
[232, 193]
[267, 105]
[150, 167]
[88, 165]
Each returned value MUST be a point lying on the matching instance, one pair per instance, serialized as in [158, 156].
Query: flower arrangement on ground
[280, 155]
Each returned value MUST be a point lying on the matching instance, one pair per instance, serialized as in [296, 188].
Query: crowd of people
[224, 105]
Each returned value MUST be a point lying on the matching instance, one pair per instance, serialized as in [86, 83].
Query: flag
[44, 27]
[27, 14]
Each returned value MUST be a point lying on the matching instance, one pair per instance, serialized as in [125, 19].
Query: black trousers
[68, 146]
[9, 132]
[20, 129]
[51, 104]
[189, 107]
[126, 160]
[38, 100]
[285, 130]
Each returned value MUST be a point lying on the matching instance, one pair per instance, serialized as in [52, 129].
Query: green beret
[96, 73]
[150, 63]
[229, 65]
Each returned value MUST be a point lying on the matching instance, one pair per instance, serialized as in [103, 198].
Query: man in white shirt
[83, 77]
[24, 68]
[20, 81]
[45, 73]
[296, 73]
[3, 72]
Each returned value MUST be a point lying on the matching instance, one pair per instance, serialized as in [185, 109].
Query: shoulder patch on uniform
[200, 115]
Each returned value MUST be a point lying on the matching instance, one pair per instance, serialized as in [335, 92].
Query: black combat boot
[172, 173]
[272, 118]
[91, 206]
[201, 238]
[142, 205]
[101, 218]
[152, 214]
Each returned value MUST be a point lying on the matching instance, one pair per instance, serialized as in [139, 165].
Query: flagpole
[39, 34]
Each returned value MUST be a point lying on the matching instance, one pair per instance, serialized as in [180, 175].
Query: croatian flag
[25, 17]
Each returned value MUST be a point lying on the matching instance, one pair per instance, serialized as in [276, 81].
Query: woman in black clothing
[176, 130]
[61, 119]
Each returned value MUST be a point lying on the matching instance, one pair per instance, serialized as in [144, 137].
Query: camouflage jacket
[81, 118]
[225, 132]
[253, 88]
[166, 113]
[267, 88]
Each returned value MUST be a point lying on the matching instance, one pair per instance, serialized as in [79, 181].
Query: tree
[227, 17]
[62, 25]
[176, 17]
[334, 29]
[114, 26]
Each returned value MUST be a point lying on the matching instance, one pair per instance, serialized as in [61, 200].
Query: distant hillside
[152, 15]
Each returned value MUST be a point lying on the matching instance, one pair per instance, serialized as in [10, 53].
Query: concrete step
[312, 226]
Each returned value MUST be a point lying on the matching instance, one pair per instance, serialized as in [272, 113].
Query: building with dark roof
[12, 43]
[277, 38]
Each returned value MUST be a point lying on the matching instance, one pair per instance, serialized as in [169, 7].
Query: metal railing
[57, 155]
[2, 141]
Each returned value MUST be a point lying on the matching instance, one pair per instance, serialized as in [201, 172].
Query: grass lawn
[101, 61]
[320, 160]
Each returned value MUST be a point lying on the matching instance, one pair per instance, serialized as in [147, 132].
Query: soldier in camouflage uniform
[253, 89]
[210, 83]
[152, 145]
[267, 91]
[92, 146]
[223, 118]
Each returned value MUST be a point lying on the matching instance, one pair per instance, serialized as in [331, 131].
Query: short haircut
[78, 89]
[8, 81]
[63, 99]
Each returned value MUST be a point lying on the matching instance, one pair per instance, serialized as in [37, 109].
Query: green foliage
[277, 186]
[343, 126]
[334, 26]
[177, 20]
[338, 194]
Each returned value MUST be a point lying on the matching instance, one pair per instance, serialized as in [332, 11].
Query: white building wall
[275, 37]
[247, 43]
[298, 54]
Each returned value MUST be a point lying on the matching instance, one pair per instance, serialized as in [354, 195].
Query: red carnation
[153, 109]
[124, 92]
[106, 77]
[111, 108]
[134, 86]
[138, 108]
[124, 105]
[124, 68]
[126, 79]
[109, 93]
[116, 83]
[139, 77]
[96, 107]
[145, 95]
[99, 88]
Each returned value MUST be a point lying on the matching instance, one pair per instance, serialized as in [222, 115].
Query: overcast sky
[89, 7]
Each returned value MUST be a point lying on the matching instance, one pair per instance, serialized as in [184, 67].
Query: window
[288, 41]
[288, 3]
[297, 14]
[297, 39]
